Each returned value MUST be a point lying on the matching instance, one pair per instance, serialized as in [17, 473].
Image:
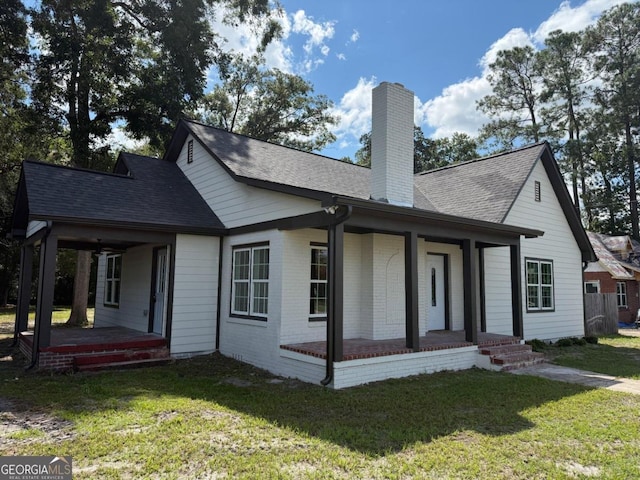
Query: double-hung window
[318, 289]
[539, 285]
[112, 280]
[250, 286]
[621, 294]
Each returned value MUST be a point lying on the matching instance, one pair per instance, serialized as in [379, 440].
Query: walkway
[573, 375]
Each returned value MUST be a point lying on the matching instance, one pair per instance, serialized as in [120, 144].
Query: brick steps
[511, 357]
[119, 358]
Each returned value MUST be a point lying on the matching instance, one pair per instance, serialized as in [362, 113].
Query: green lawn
[617, 355]
[212, 417]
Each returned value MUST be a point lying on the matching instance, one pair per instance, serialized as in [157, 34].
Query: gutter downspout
[339, 218]
[218, 310]
[35, 347]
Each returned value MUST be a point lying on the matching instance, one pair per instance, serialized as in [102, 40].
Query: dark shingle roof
[253, 159]
[483, 189]
[155, 194]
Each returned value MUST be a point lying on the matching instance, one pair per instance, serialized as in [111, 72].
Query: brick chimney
[392, 144]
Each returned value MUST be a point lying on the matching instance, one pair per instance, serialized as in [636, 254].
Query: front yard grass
[617, 355]
[212, 417]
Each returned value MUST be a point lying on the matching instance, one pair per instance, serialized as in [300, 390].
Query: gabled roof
[485, 188]
[482, 190]
[279, 168]
[609, 262]
[618, 243]
[145, 193]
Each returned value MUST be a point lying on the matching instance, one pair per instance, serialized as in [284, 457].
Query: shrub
[564, 342]
[578, 341]
[592, 340]
[537, 345]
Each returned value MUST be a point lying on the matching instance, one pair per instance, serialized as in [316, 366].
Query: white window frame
[595, 283]
[254, 282]
[621, 295]
[315, 282]
[538, 286]
[112, 280]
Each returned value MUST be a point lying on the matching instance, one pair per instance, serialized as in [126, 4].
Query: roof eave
[150, 227]
[390, 209]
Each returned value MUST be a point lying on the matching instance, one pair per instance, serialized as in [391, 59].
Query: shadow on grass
[374, 419]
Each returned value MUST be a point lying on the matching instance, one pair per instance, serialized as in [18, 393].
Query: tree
[142, 63]
[564, 67]
[615, 48]
[268, 104]
[428, 153]
[513, 105]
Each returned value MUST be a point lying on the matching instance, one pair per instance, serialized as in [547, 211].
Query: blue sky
[437, 48]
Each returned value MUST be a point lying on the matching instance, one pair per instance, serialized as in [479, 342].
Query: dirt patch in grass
[20, 426]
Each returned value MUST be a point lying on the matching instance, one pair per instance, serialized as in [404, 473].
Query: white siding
[557, 244]
[236, 203]
[195, 294]
[135, 292]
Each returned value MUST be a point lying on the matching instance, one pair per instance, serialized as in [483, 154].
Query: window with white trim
[250, 285]
[539, 285]
[112, 280]
[592, 286]
[621, 294]
[318, 288]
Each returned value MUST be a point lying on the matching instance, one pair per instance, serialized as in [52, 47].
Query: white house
[314, 268]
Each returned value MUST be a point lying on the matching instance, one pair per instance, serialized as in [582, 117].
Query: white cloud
[454, 110]
[573, 19]
[318, 33]
[118, 139]
[341, 56]
[355, 36]
[354, 111]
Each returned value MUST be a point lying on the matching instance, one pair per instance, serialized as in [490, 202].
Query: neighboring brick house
[616, 271]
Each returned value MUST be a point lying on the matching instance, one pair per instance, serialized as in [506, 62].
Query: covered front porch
[91, 348]
[358, 348]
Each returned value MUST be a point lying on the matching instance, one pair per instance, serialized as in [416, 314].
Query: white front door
[436, 291]
[160, 292]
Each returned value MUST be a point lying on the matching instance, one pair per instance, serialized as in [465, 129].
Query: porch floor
[355, 348]
[67, 340]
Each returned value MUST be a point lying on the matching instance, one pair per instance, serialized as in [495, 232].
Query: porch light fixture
[331, 210]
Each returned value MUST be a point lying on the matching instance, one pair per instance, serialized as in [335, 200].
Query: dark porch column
[24, 290]
[469, 258]
[483, 305]
[411, 289]
[516, 291]
[46, 281]
[336, 293]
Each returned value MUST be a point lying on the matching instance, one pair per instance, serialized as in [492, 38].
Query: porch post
[336, 293]
[24, 291]
[516, 291]
[46, 281]
[483, 299]
[469, 257]
[411, 289]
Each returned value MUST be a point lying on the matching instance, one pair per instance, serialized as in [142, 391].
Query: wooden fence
[600, 314]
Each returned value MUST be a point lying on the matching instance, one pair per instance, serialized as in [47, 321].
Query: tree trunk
[78, 317]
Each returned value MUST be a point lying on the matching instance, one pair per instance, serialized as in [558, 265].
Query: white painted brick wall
[392, 144]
